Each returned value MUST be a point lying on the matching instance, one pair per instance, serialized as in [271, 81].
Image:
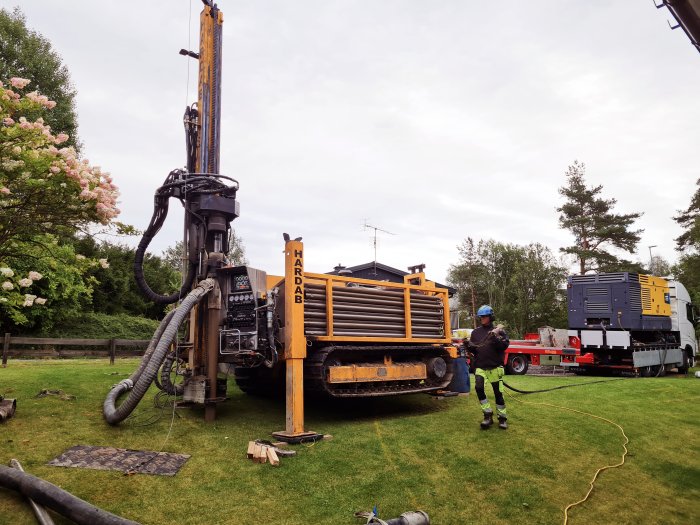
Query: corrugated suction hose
[139, 382]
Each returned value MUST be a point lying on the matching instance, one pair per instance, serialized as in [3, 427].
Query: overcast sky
[434, 120]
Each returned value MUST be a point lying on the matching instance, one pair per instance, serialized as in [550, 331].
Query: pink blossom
[28, 299]
[17, 150]
[61, 137]
[8, 121]
[5, 191]
[6, 272]
[103, 263]
[55, 169]
[19, 83]
[7, 285]
[40, 300]
[35, 276]
[23, 283]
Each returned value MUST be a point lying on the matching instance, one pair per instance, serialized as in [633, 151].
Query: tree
[173, 255]
[114, 286]
[689, 220]
[522, 283]
[687, 269]
[659, 266]
[595, 227]
[27, 54]
[44, 188]
[48, 285]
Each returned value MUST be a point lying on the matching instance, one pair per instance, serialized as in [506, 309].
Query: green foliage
[595, 227]
[522, 283]
[687, 269]
[91, 325]
[173, 255]
[25, 53]
[63, 289]
[689, 220]
[115, 290]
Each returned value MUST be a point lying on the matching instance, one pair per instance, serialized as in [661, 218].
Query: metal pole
[651, 259]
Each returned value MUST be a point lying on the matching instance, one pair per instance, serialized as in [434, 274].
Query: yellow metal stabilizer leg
[294, 344]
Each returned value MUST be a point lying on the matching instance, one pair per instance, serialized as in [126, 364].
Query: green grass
[405, 453]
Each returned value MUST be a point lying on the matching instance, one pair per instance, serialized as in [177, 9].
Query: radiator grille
[596, 307]
[646, 299]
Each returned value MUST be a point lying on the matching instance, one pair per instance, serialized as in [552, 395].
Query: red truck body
[538, 349]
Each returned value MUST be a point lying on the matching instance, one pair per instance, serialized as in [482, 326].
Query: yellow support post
[294, 343]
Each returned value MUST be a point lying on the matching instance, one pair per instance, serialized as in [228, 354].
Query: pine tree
[689, 220]
[595, 226]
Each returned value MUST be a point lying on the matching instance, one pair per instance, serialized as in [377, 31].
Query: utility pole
[651, 258]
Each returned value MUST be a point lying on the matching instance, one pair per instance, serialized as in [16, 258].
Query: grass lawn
[406, 453]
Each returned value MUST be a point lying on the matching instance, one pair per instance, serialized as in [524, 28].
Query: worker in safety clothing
[488, 345]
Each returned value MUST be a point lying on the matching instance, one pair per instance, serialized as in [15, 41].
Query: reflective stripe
[484, 401]
[501, 409]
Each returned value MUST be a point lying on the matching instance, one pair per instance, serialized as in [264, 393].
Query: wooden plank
[272, 457]
[5, 348]
[139, 343]
[263, 454]
[251, 449]
[257, 451]
[59, 341]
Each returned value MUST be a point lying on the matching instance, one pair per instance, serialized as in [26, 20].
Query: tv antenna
[374, 242]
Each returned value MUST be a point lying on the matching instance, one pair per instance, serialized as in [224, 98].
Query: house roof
[388, 269]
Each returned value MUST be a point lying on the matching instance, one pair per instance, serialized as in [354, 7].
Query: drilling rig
[335, 335]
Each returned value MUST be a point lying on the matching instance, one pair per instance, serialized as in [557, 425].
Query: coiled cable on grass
[139, 382]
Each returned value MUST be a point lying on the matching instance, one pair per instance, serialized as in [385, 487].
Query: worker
[488, 344]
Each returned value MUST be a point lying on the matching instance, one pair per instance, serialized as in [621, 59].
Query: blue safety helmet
[484, 311]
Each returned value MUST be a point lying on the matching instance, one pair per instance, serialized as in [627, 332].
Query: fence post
[112, 350]
[5, 349]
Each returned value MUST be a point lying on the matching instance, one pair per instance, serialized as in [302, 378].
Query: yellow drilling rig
[336, 335]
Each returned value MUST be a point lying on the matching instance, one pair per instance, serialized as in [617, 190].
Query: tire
[683, 369]
[517, 364]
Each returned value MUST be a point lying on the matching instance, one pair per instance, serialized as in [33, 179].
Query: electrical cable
[561, 387]
[601, 469]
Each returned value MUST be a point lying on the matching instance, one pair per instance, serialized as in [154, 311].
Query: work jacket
[488, 349]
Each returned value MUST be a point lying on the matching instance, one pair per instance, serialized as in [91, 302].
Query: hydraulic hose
[151, 362]
[160, 212]
[49, 495]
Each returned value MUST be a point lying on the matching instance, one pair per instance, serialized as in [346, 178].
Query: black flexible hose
[49, 495]
[559, 387]
[150, 365]
[160, 212]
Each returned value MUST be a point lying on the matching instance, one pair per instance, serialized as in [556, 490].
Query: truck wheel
[683, 369]
[645, 371]
[517, 364]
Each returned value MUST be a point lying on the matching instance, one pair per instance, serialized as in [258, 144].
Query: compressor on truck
[630, 321]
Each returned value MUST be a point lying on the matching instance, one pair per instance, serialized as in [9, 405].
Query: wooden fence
[57, 347]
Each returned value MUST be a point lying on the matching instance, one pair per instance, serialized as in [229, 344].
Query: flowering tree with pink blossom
[47, 193]
[44, 188]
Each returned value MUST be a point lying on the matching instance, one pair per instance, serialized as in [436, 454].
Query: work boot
[488, 419]
[502, 422]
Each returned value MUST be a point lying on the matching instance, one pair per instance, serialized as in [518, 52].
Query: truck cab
[684, 319]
